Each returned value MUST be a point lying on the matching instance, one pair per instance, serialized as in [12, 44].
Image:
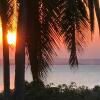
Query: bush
[38, 91]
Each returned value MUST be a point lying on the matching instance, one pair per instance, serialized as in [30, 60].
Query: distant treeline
[38, 91]
[81, 61]
[63, 62]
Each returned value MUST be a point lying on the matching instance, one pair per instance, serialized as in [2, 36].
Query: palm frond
[91, 14]
[52, 7]
[4, 6]
[39, 40]
[11, 15]
[73, 22]
[6, 10]
[97, 9]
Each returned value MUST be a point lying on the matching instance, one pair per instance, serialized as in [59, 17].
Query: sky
[91, 50]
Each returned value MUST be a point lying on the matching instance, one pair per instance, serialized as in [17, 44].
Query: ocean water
[88, 75]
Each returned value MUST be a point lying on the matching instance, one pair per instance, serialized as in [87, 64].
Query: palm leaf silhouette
[91, 14]
[6, 11]
[97, 9]
[39, 41]
[93, 5]
[74, 20]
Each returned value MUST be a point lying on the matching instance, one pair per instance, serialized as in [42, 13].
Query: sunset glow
[11, 37]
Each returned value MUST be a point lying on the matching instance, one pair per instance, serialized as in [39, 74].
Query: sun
[11, 37]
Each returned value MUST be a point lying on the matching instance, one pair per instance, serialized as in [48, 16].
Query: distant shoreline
[65, 62]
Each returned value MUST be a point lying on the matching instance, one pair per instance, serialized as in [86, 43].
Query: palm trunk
[6, 62]
[20, 68]
[33, 32]
[20, 54]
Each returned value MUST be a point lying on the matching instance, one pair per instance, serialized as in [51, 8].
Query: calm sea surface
[88, 75]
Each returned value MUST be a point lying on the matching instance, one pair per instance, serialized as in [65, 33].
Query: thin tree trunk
[6, 62]
[20, 68]
[20, 54]
[34, 36]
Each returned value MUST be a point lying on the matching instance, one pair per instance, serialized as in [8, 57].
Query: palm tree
[74, 20]
[5, 13]
[71, 24]
[39, 41]
[20, 52]
[37, 49]
[42, 19]
[37, 29]
[41, 23]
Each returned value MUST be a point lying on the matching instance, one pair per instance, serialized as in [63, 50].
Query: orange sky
[91, 51]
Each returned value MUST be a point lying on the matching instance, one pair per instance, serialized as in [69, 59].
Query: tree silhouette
[20, 52]
[39, 41]
[5, 14]
[74, 18]
[74, 21]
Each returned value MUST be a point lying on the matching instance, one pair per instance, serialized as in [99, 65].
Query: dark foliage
[38, 91]
[74, 21]
[39, 40]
